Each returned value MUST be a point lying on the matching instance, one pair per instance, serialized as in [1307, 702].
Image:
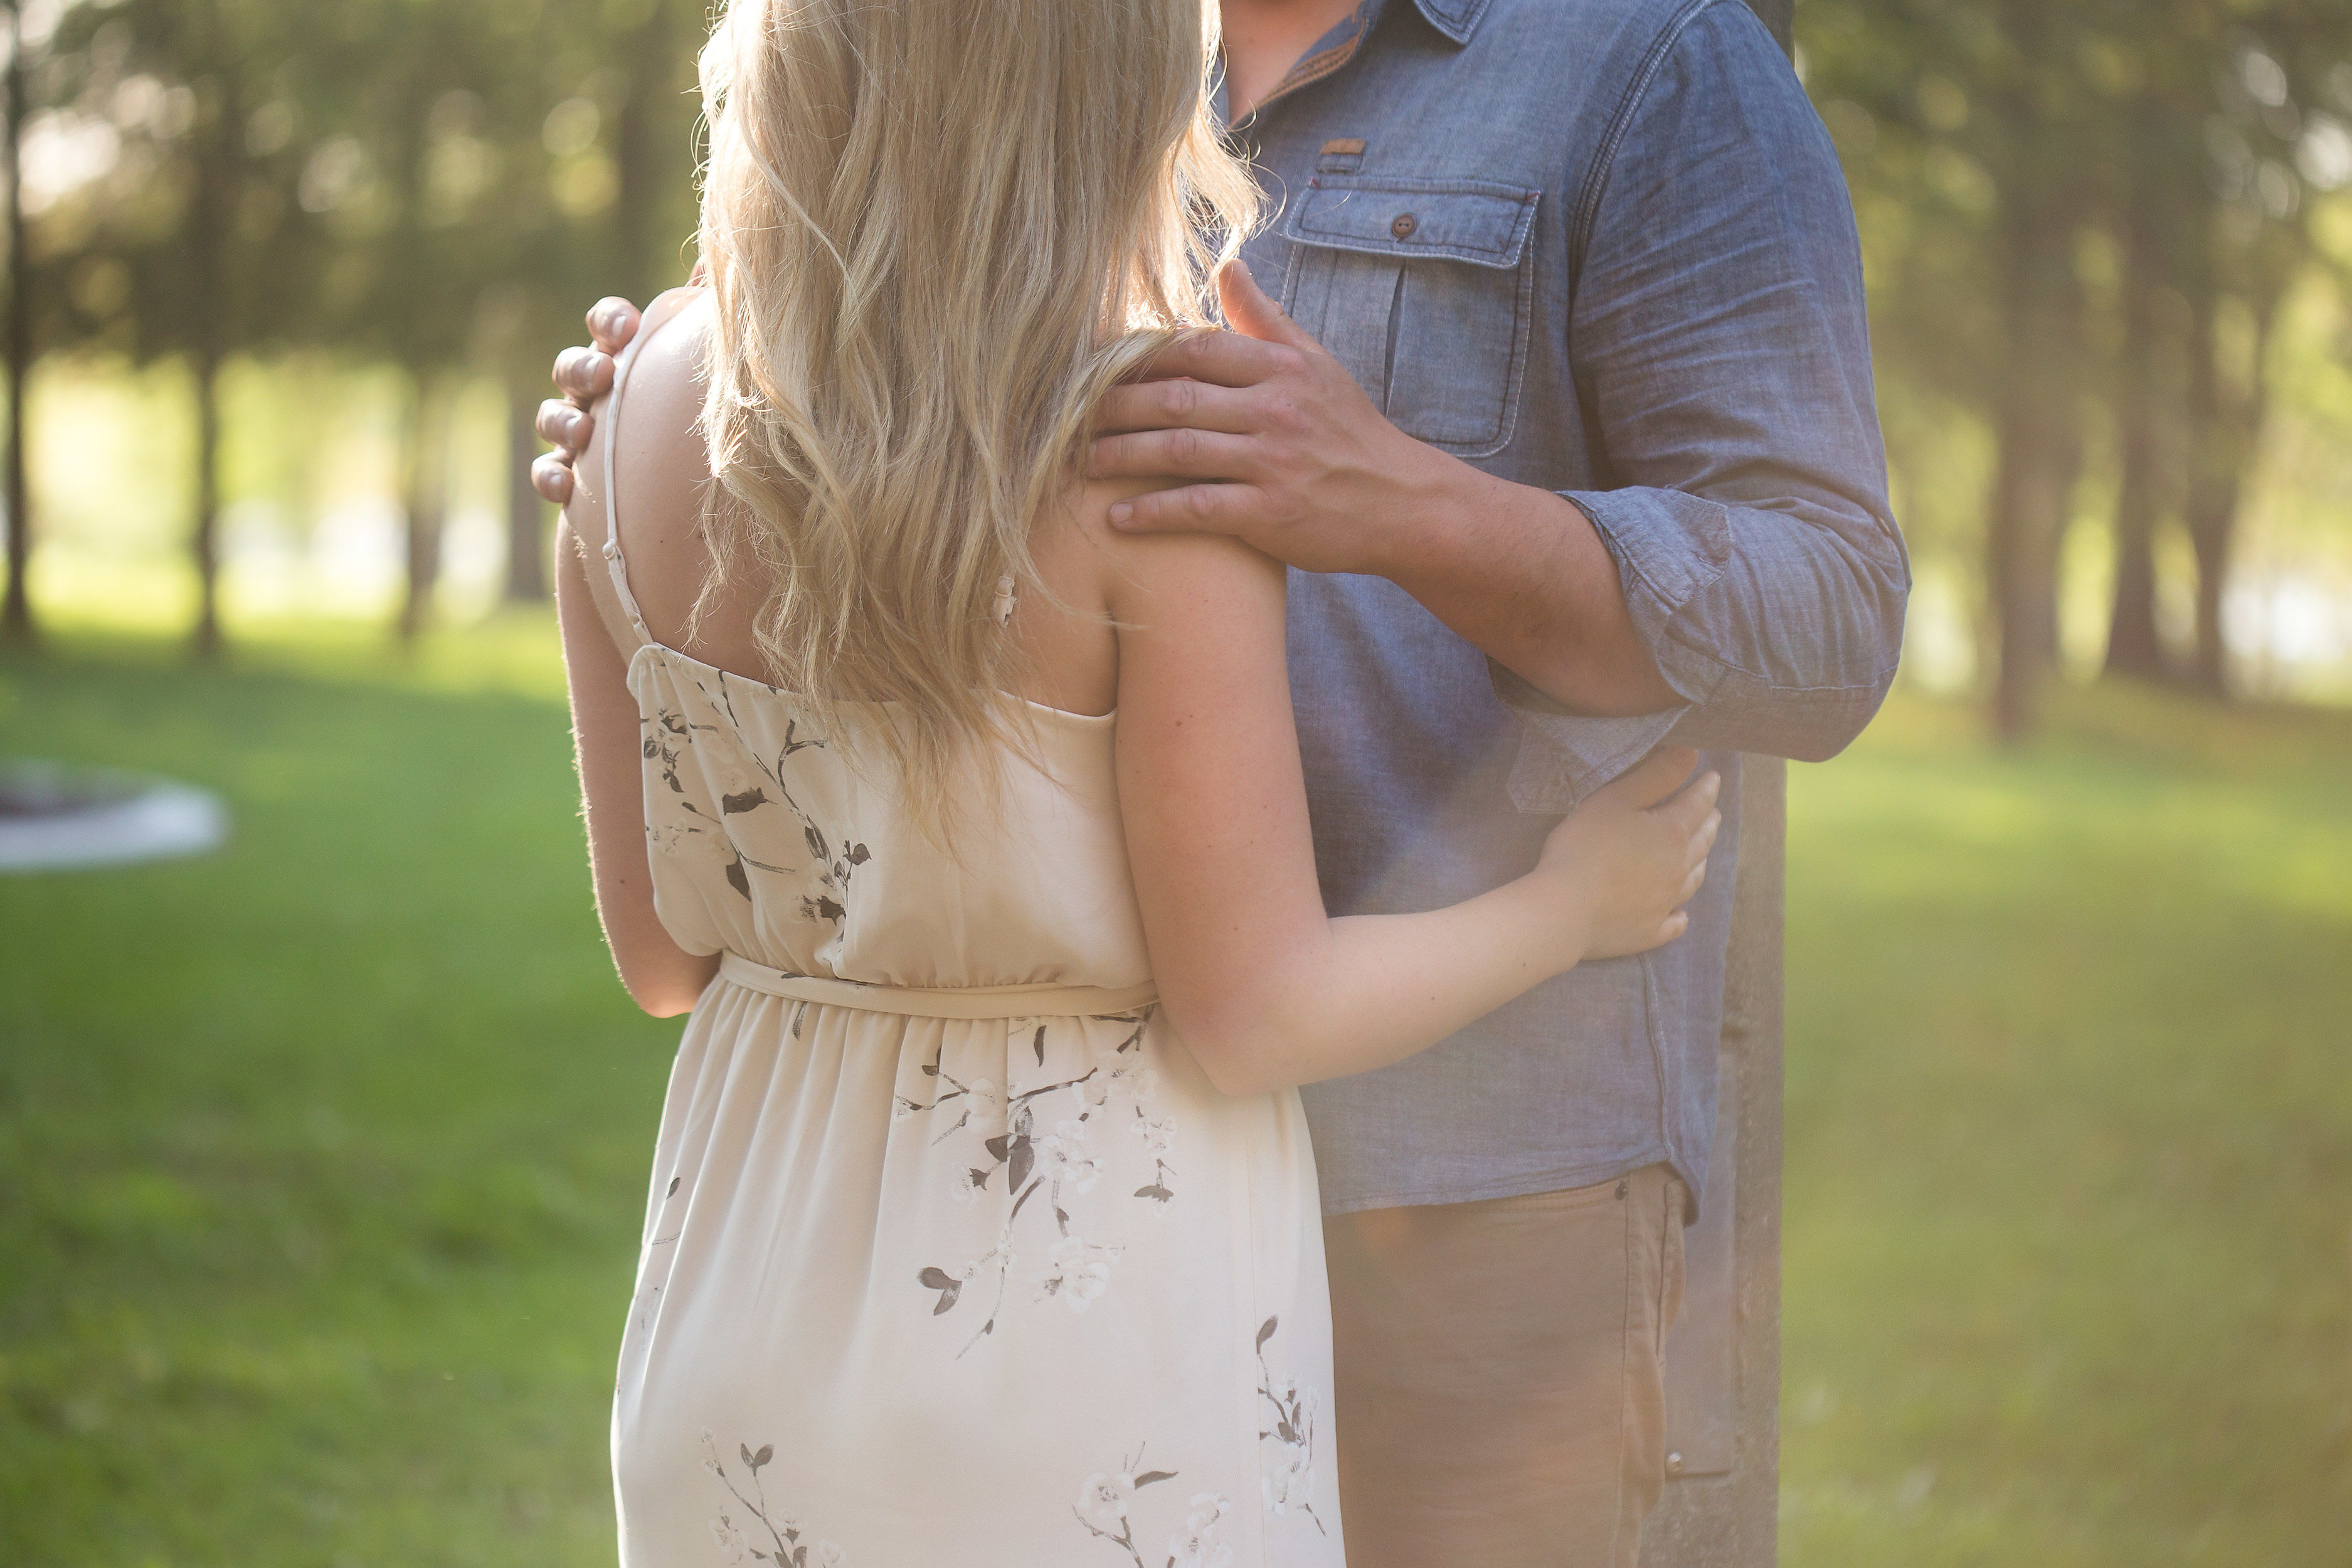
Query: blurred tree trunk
[426, 497]
[647, 166]
[2225, 429]
[205, 544]
[2145, 395]
[210, 223]
[2039, 429]
[526, 514]
[16, 608]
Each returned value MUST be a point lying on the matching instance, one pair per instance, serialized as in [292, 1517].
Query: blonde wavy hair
[937, 232]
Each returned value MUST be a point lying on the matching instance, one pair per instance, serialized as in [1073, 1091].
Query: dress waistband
[1043, 1001]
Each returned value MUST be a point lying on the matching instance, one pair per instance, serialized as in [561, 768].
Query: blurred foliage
[421, 182]
[427, 184]
[2086, 224]
[2082, 219]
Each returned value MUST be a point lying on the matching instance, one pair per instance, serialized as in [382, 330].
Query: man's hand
[1265, 437]
[1281, 447]
[582, 375]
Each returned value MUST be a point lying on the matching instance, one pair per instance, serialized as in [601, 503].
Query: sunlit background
[322, 1154]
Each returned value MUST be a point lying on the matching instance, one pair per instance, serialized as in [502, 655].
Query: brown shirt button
[1405, 225]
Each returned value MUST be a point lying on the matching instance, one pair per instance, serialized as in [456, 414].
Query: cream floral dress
[952, 1255]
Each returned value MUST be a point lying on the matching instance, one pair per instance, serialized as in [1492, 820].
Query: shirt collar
[1457, 19]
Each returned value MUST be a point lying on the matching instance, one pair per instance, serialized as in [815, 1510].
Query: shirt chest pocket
[1420, 289]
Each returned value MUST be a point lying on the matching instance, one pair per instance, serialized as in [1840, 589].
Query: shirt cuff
[1564, 756]
[1668, 546]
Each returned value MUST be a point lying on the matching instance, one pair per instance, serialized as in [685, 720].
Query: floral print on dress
[1108, 1508]
[669, 736]
[1003, 1129]
[761, 1535]
[1289, 1466]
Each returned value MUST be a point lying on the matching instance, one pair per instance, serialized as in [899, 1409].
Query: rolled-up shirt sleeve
[1722, 353]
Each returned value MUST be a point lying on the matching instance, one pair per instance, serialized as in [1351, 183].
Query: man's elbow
[1834, 720]
[1853, 693]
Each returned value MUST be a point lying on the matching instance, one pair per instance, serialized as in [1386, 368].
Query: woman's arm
[1264, 986]
[663, 977]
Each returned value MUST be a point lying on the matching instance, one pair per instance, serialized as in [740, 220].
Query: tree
[197, 219]
[1996, 145]
[2214, 233]
[433, 185]
[16, 608]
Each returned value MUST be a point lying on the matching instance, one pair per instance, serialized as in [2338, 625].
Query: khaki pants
[1499, 1398]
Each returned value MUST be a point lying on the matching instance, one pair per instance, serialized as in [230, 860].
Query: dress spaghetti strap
[657, 314]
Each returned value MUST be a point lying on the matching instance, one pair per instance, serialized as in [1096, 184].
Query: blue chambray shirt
[1603, 247]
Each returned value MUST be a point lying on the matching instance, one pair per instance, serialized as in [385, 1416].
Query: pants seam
[1624, 1388]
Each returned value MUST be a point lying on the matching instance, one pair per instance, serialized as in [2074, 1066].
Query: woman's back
[948, 1231]
[783, 835]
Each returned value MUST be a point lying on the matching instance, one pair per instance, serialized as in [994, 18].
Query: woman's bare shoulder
[661, 466]
[1149, 573]
[660, 444]
[652, 442]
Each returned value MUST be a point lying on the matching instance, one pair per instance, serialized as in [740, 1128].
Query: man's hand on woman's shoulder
[583, 375]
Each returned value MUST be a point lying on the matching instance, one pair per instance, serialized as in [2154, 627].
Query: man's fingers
[1161, 404]
[1224, 359]
[612, 322]
[584, 374]
[1253, 312]
[1194, 508]
[1184, 452]
[564, 424]
[551, 478]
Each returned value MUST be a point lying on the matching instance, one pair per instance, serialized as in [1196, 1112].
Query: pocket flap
[1478, 221]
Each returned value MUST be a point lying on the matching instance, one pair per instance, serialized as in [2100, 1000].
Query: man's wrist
[1434, 501]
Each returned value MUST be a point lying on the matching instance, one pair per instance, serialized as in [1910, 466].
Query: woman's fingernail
[1120, 512]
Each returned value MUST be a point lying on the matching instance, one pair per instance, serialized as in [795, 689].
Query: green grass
[2069, 1181]
[321, 1158]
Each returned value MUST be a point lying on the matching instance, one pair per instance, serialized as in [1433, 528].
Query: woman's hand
[1631, 854]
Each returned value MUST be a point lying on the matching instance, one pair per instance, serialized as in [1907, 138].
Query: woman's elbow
[664, 990]
[1235, 1073]
[661, 1002]
[1238, 1058]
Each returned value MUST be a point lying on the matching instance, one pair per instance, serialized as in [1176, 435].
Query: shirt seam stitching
[1596, 182]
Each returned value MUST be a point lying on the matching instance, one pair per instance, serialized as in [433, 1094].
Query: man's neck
[1264, 39]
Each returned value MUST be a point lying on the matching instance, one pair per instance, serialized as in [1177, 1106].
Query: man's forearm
[1522, 575]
